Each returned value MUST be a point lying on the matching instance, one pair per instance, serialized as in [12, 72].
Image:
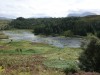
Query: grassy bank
[27, 58]
[3, 36]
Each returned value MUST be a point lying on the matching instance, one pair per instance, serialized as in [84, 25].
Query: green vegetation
[80, 26]
[4, 24]
[25, 64]
[23, 57]
[3, 36]
[90, 58]
[29, 58]
[68, 33]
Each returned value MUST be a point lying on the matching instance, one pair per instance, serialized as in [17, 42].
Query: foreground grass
[25, 64]
[27, 58]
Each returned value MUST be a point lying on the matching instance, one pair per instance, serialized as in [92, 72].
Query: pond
[61, 42]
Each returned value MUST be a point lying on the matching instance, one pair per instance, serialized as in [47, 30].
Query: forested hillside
[60, 26]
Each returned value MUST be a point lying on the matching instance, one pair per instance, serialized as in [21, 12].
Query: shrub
[68, 33]
[98, 34]
[90, 58]
[71, 69]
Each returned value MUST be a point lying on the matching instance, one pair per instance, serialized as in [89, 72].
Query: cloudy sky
[47, 8]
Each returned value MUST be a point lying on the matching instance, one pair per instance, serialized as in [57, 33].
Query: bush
[71, 69]
[98, 34]
[68, 33]
[90, 58]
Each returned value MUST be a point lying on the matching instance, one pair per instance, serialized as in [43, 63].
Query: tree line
[67, 26]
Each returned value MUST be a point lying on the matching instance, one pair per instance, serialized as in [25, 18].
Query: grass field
[27, 58]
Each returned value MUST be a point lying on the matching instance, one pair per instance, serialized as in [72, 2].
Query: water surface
[55, 41]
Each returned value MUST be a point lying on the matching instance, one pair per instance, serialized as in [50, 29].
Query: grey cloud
[45, 8]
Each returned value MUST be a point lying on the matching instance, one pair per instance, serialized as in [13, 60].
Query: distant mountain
[81, 14]
[40, 16]
[4, 18]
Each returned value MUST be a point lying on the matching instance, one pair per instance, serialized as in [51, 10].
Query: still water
[55, 41]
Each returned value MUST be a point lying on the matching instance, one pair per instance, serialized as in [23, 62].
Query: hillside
[4, 24]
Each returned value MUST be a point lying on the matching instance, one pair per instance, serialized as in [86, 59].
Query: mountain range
[77, 14]
[73, 14]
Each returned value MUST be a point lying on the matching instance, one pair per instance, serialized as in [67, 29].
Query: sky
[46, 8]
